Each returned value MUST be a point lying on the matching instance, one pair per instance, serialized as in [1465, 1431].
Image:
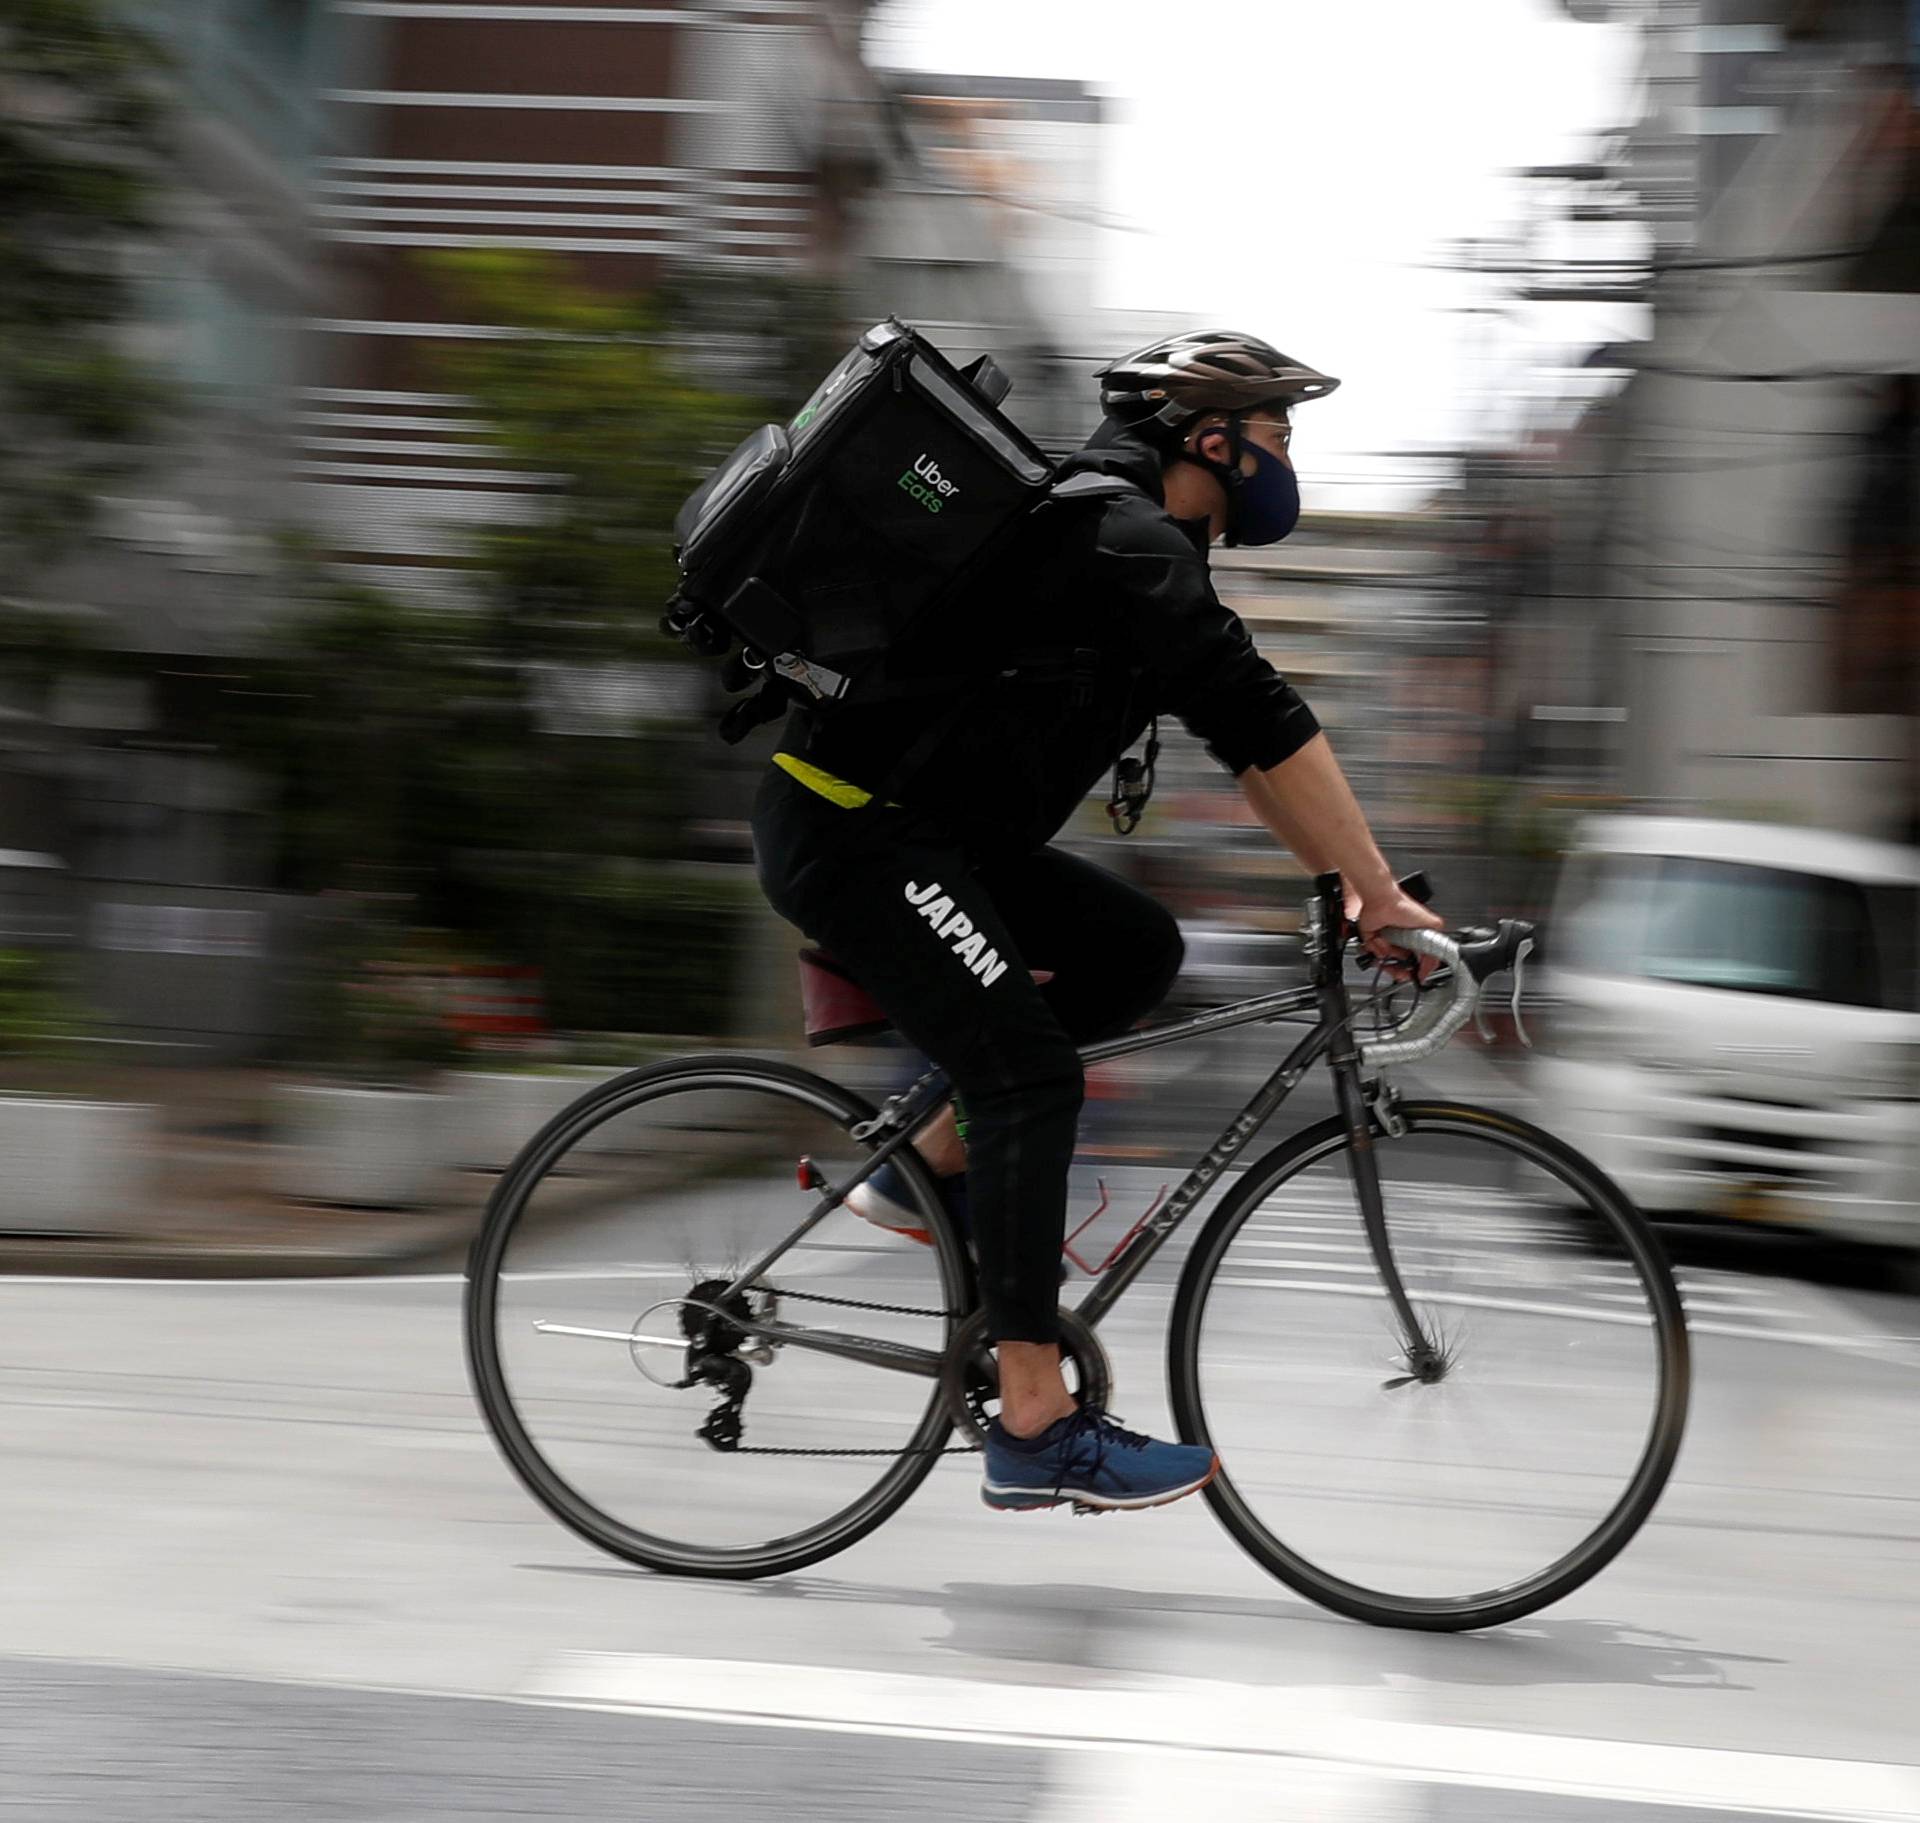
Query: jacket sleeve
[1201, 665]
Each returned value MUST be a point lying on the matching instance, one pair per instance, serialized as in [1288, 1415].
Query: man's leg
[899, 905]
[902, 909]
[1113, 953]
[1112, 950]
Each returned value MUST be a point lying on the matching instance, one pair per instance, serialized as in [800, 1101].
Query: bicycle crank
[970, 1377]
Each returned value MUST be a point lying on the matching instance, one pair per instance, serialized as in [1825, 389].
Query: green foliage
[351, 713]
[409, 747]
[37, 1014]
[406, 752]
[784, 333]
[648, 950]
[81, 144]
[374, 997]
[1512, 819]
[592, 396]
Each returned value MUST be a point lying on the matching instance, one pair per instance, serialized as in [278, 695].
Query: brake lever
[1513, 1000]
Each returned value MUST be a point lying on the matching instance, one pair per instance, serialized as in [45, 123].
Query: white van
[1736, 1022]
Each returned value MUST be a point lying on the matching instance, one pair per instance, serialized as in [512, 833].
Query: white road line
[638, 1269]
[1276, 1728]
[187, 1282]
[1146, 1787]
[1879, 1348]
[1525, 1307]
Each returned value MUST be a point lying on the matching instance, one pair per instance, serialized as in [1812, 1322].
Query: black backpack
[816, 545]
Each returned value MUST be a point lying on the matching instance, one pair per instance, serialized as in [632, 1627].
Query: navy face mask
[1265, 507]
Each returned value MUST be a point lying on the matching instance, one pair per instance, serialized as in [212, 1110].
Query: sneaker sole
[1024, 1500]
[874, 1219]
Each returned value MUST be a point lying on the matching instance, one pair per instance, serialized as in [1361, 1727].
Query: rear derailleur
[715, 1326]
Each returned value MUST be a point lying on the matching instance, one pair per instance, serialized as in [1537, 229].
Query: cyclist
[941, 894]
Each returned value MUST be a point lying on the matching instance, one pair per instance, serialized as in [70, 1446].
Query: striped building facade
[730, 134]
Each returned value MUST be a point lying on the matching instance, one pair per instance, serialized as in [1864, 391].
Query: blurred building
[986, 234]
[1738, 520]
[157, 832]
[323, 146]
[732, 137]
[1355, 611]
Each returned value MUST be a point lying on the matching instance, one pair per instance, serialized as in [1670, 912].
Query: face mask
[1265, 507]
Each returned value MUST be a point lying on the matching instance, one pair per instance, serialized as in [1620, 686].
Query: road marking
[188, 1282]
[1185, 1717]
[1136, 1787]
[638, 1269]
[1878, 1347]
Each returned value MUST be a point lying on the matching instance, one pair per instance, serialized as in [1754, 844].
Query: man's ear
[1209, 441]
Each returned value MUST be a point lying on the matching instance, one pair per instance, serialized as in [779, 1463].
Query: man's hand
[1373, 912]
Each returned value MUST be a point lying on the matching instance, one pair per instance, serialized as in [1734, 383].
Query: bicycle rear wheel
[595, 1282]
[1507, 1482]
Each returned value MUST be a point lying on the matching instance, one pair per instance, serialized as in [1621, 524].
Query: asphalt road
[262, 1561]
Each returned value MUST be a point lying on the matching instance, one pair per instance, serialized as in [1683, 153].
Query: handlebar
[1469, 959]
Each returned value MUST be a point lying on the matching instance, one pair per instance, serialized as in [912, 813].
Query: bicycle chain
[817, 1297]
[769, 1449]
[899, 1310]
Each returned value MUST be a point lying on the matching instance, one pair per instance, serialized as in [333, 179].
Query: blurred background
[357, 353]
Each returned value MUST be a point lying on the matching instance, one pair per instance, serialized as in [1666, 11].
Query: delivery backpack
[817, 545]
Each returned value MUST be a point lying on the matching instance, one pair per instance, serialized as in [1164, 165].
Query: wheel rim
[655, 1189]
[1526, 1467]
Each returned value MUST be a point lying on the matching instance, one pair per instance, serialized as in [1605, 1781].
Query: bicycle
[1440, 1354]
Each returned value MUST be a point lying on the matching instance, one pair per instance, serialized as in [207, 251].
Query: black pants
[946, 941]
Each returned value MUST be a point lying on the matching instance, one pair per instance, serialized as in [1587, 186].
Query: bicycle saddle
[835, 1008]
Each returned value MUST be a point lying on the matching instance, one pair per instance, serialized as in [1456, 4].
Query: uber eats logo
[927, 485]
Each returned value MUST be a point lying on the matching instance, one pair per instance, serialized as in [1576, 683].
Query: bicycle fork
[1426, 1360]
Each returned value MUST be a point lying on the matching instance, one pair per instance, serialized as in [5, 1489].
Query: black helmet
[1204, 370]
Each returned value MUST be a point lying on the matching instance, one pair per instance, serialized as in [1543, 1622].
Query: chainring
[970, 1382]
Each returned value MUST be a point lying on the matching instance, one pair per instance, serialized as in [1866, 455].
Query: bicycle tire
[548, 1485]
[1600, 1198]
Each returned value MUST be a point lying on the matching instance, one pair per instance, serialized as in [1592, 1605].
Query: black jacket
[1110, 615]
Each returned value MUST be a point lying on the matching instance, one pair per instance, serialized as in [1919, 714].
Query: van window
[1756, 930]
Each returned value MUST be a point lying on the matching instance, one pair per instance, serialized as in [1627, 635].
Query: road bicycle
[1440, 1354]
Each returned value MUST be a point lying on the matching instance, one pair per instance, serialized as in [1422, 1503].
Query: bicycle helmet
[1181, 376]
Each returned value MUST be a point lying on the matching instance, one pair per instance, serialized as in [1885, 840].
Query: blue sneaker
[1089, 1460]
[886, 1202]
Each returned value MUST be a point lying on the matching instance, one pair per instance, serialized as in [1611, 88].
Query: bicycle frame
[1331, 1033]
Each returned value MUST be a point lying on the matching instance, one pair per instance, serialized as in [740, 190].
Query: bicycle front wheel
[1448, 1503]
[609, 1362]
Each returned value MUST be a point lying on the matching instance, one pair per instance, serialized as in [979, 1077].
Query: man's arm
[1307, 802]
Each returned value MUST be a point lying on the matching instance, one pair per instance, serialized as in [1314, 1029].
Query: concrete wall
[1728, 564]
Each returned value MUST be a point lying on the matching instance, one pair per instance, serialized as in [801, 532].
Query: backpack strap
[1088, 486]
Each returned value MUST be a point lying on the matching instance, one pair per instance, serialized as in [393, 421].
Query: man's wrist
[1375, 881]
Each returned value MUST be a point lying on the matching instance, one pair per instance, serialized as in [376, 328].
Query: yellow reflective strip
[835, 791]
